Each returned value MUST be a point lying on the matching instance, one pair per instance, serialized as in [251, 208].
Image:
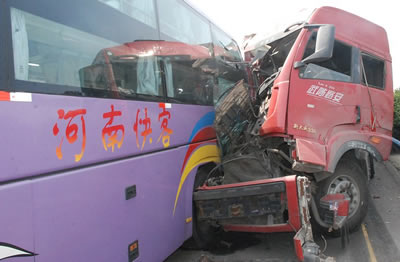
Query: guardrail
[395, 141]
[395, 146]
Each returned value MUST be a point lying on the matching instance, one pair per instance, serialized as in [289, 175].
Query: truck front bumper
[269, 205]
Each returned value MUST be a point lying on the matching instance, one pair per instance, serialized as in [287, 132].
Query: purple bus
[106, 109]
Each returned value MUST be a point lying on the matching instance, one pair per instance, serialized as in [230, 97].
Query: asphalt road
[377, 240]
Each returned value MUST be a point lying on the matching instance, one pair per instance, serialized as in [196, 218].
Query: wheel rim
[345, 185]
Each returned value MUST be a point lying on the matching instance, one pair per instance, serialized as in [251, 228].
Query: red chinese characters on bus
[71, 131]
[110, 131]
[142, 124]
[166, 132]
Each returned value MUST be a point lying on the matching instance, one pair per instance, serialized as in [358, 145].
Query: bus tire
[204, 235]
[350, 180]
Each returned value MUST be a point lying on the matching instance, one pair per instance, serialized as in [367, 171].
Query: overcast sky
[243, 17]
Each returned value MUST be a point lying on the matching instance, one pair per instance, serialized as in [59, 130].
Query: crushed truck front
[320, 109]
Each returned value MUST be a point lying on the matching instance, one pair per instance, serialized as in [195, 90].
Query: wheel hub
[345, 185]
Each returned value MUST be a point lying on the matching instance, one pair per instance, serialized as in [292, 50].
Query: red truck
[305, 137]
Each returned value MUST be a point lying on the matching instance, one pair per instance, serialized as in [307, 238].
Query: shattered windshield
[270, 54]
[238, 115]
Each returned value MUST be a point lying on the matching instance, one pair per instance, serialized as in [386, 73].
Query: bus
[107, 111]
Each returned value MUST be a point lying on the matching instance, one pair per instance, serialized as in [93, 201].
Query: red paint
[110, 131]
[202, 135]
[328, 109]
[4, 96]
[299, 249]
[342, 203]
[71, 131]
[310, 151]
[343, 209]
[259, 229]
[160, 48]
[355, 29]
[276, 118]
[166, 132]
[294, 222]
[146, 123]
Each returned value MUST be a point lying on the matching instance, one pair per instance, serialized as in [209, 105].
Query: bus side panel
[188, 202]
[83, 215]
[16, 220]
[57, 129]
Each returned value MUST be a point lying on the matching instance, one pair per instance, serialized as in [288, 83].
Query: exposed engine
[241, 111]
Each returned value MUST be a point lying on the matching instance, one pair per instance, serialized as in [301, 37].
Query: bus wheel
[349, 180]
[204, 234]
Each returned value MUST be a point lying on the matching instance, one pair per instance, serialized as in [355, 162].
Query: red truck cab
[331, 100]
[328, 107]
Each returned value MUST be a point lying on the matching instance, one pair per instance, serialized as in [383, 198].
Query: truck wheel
[349, 180]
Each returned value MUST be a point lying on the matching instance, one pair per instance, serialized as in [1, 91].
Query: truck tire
[350, 180]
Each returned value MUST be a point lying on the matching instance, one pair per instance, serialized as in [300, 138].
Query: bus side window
[94, 80]
[189, 84]
[185, 68]
[179, 22]
[148, 76]
[225, 48]
[140, 10]
[226, 54]
[49, 52]
[85, 56]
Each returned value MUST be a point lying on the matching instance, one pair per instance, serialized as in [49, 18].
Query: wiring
[325, 244]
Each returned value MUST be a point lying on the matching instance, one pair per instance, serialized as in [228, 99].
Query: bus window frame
[10, 83]
[7, 67]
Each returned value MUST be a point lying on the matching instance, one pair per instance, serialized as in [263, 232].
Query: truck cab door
[376, 80]
[323, 95]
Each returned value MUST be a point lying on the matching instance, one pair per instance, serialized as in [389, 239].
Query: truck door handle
[358, 116]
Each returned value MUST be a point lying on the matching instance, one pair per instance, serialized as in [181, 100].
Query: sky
[240, 18]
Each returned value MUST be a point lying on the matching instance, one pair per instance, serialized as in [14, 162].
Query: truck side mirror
[323, 47]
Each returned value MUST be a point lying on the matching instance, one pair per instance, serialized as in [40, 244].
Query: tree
[396, 120]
